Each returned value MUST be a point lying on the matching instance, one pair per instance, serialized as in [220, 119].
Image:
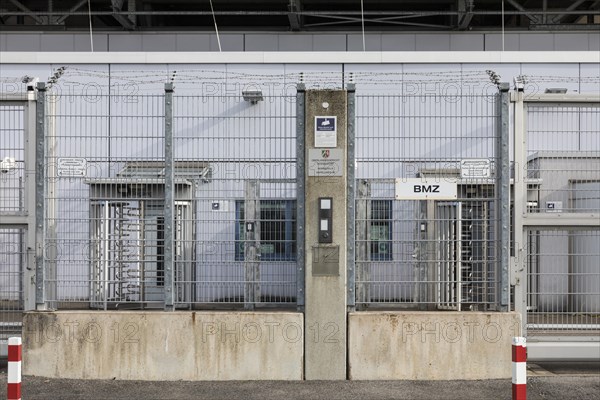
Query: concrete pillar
[326, 295]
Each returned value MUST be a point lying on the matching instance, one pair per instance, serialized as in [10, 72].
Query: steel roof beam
[466, 7]
[534, 18]
[117, 7]
[30, 13]
[295, 20]
[388, 21]
[301, 13]
[74, 8]
[572, 7]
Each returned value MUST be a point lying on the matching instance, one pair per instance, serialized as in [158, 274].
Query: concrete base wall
[164, 346]
[432, 345]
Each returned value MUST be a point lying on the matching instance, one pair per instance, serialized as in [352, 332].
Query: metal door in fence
[104, 194]
[112, 203]
[244, 224]
[559, 215]
[17, 209]
[438, 247]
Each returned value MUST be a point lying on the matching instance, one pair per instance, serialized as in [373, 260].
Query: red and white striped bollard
[14, 368]
[519, 368]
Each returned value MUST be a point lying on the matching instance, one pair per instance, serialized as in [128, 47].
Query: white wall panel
[493, 42]
[544, 76]
[536, 42]
[263, 42]
[590, 78]
[131, 42]
[233, 41]
[594, 41]
[62, 42]
[295, 42]
[193, 42]
[82, 42]
[228, 42]
[467, 42]
[572, 42]
[433, 42]
[23, 42]
[158, 42]
[372, 42]
[329, 43]
[398, 42]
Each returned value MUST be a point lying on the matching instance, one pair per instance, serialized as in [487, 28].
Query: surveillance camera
[32, 84]
[7, 165]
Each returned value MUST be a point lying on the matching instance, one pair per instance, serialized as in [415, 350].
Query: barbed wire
[148, 80]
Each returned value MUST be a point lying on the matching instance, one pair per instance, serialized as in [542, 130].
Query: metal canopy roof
[299, 15]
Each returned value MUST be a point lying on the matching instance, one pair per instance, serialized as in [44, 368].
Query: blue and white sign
[326, 131]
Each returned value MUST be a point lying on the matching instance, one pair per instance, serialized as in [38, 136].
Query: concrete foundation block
[164, 345]
[431, 345]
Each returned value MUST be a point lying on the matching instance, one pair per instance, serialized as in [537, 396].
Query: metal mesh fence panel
[563, 282]
[236, 226]
[104, 167]
[12, 202]
[563, 157]
[12, 158]
[12, 259]
[563, 171]
[426, 251]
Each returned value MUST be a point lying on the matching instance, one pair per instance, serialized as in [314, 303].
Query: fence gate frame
[425, 284]
[24, 218]
[524, 221]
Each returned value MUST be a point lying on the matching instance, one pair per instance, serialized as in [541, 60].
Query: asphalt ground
[546, 381]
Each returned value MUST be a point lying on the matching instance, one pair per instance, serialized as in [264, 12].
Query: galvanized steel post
[169, 263]
[503, 195]
[351, 213]
[300, 187]
[40, 196]
[519, 271]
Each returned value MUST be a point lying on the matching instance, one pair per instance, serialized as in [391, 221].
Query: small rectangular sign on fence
[423, 189]
[74, 167]
[475, 168]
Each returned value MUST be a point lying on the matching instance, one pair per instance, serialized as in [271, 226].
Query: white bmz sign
[425, 189]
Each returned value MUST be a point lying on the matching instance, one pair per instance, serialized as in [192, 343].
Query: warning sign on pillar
[325, 162]
[326, 131]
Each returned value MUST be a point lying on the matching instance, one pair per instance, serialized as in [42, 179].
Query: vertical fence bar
[351, 183]
[300, 195]
[519, 272]
[169, 202]
[30, 142]
[40, 196]
[503, 196]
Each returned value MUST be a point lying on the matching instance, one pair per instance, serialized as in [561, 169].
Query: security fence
[16, 218]
[217, 174]
[427, 204]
